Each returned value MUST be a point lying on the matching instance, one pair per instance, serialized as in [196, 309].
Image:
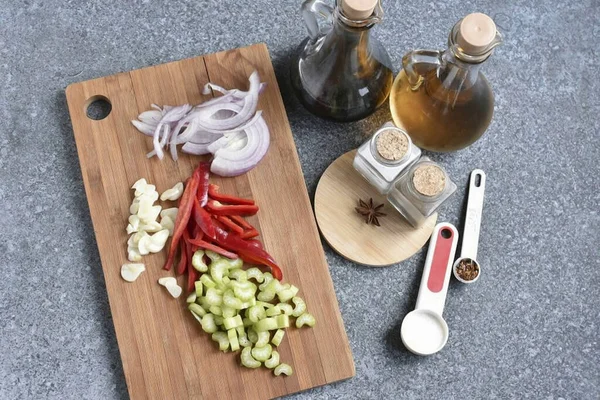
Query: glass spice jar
[421, 191]
[385, 156]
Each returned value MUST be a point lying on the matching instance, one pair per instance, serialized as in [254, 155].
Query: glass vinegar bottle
[441, 98]
[341, 72]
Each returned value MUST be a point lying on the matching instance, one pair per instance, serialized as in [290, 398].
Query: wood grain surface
[165, 354]
[337, 195]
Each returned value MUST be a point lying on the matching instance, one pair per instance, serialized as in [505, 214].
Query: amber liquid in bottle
[442, 116]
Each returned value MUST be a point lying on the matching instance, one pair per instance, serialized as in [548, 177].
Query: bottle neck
[456, 74]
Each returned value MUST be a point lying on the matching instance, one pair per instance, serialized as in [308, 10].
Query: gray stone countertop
[528, 329]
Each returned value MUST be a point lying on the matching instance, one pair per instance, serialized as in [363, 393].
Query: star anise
[370, 211]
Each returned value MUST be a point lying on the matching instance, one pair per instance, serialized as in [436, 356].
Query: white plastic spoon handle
[438, 265]
[473, 218]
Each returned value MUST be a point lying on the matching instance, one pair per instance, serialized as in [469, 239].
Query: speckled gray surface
[529, 328]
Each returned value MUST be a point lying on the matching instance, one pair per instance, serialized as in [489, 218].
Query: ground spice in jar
[429, 180]
[391, 145]
[467, 269]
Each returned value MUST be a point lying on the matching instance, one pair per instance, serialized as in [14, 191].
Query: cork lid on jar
[476, 33]
[358, 9]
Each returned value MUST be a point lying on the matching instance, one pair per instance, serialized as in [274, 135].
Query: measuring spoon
[470, 240]
[423, 330]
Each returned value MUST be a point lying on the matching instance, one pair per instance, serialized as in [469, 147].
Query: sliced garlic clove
[145, 210]
[168, 280]
[144, 244]
[137, 237]
[167, 223]
[134, 208]
[130, 229]
[139, 183]
[158, 241]
[174, 193]
[133, 255]
[134, 220]
[170, 212]
[151, 227]
[130, 272]
[174, 290]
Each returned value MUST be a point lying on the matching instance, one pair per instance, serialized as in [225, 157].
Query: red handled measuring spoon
[423, 330]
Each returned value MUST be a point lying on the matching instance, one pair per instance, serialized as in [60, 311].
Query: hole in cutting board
[98, 108]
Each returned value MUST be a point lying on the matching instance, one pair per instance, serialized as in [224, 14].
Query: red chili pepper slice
[183, 215]
[252, 233]
[192, 278]
[231, 225]
[241, 222]
[216, 208]
[182, 266]
[255, 243]
[213, 193]
[209, 246]
[204, 220]
[202, 194]
[247, 251]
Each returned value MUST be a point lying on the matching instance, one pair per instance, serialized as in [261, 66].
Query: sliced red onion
[195, 148]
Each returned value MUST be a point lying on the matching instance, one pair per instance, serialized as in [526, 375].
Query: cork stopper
[358, 9]
[476, 33]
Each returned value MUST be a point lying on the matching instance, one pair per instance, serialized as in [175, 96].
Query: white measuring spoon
[423, 330]
[470, 239]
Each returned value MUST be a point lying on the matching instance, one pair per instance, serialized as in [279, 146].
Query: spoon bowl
[458, 277]
[424, 332]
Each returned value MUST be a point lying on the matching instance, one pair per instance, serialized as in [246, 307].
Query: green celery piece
[203, 301]
[196, 317]
[207, 281]
[283, 368]
[198, 262]
[223, 340]
[278, 337]
[191, 298]
[212, 255]
[273, 361]
[219, 320]
[244, 341]
[228, 312]
[230, 300]
[213, 297]
[197, 309]
[208, 323]
[263, 339]
[198, 287]
[238, 274]
[244, 290]
[283, 321]
[216, 310]
[247, 360]
[262, 353]
[218, 269]
[233, 322]
[300, 306]
[305, 319]
[267, 277]
[247, 322]
[236, 263]
[233, 340]
[256, 313]
[264, 304]
[248, 304]
[286, 308]
[256, 274]
[267, 324]
[266, 296]
[252, 335]
[273, 311]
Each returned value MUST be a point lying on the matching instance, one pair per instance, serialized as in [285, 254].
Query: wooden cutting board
[165, 354]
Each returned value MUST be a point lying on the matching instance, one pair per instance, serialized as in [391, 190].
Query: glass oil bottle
[341, 72]
[441, 98]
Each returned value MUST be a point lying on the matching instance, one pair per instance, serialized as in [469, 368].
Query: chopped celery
[230, 300]
[286, 308]
[300, 306]
[233, 340]
[207, 281]
[252, 335]
[273, 311]
[198, 287]
[191, 298]
[196, 309]
[236, 263]
[244, 290]
[262, 353]
[263, 339]
[225, 282]
[283, 368]
[233, 322]
[248, 304]
[203, 302]
[305, 319]
[219, 320]
[218, 269]
[287, 294]
[212, 255]
[216, 310]
[278, 337]
[223, 340]
[256, 313]
[267, 324]
[213, 297]
[247, 360]
[256, 274]
[244, 341]
[240, 330]
[267, 277]
[283, 321]
[228, 312]
[272, 286]
[273, 361]
[264, 304]
[238, 274]
[247, 322]
[266, 296]
[198, 262]
[208, 323]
